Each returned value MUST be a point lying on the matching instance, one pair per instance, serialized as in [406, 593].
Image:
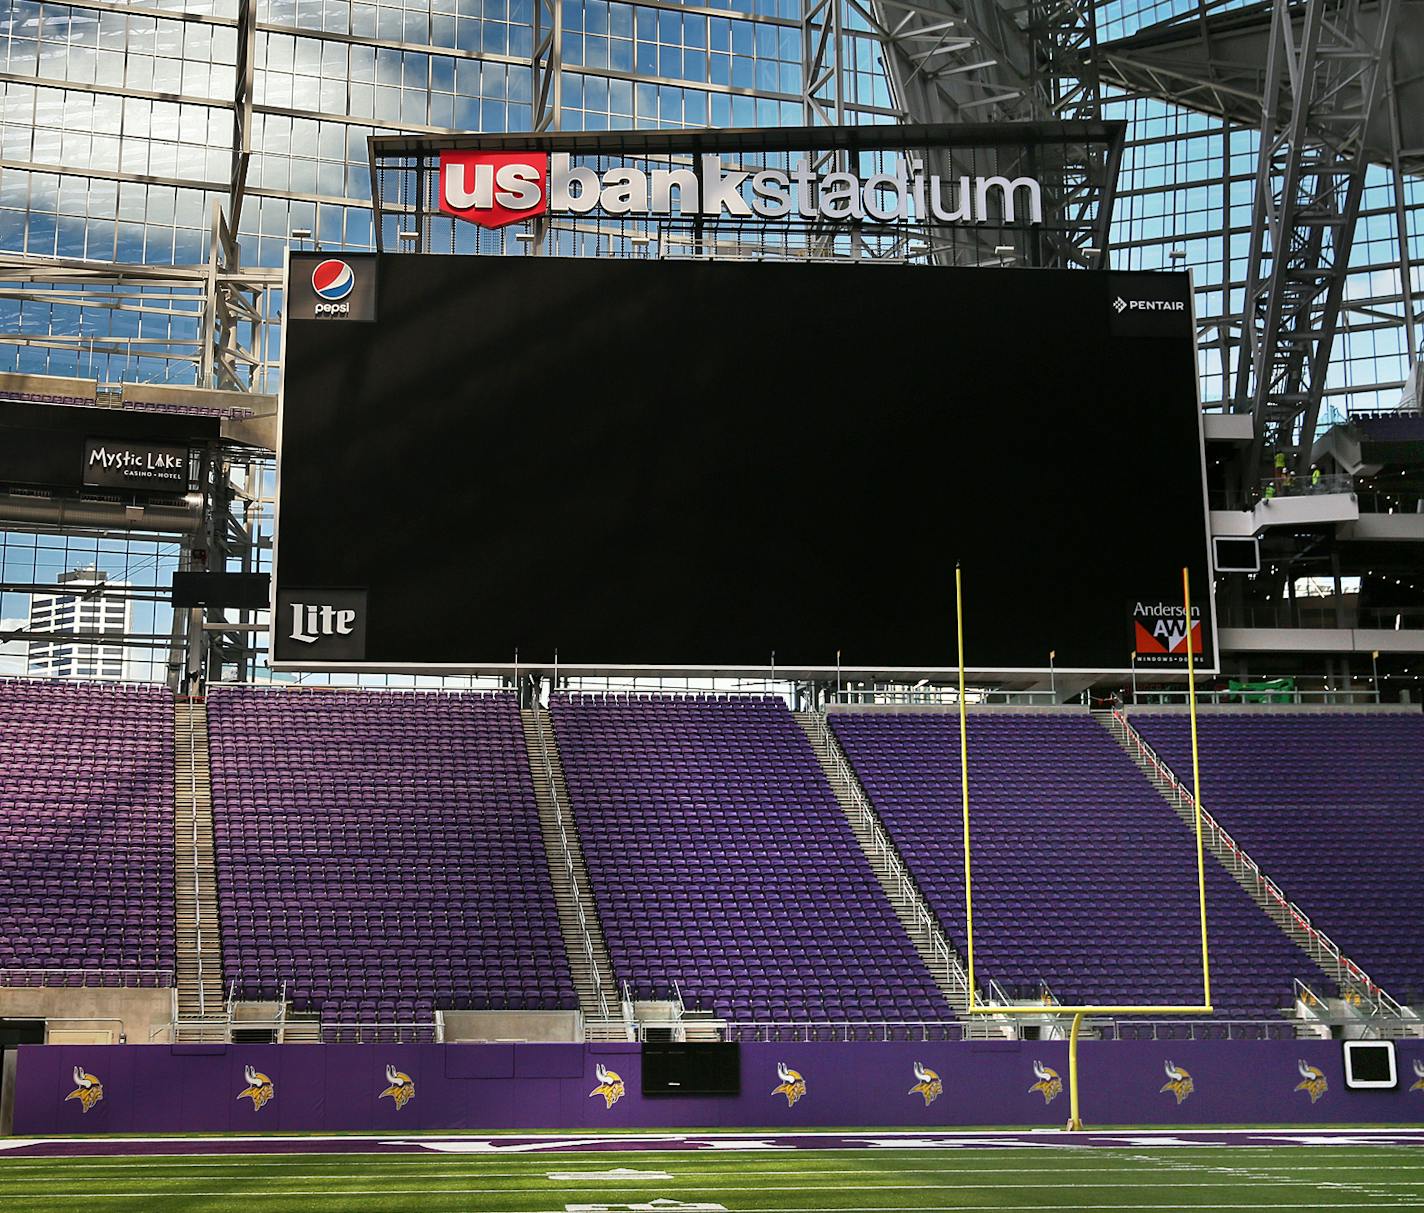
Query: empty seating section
[380, 853]
[720, 859]
[86, 829]
[1329, 804]
[1084, 878]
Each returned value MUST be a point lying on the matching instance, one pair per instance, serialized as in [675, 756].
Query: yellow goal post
[1080, 1011]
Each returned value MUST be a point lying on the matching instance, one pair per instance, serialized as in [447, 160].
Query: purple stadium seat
[1328, 803]
[380, 853]
[720, 859]
[86, 827]
[1084, 878]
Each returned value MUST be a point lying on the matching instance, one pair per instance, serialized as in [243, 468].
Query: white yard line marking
[1233, 1178]
[266, 1196]
[286, 1165]
[1281, 1135]
[1254, 1175]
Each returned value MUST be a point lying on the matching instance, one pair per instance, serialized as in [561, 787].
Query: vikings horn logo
[1419, 1075]
[259, 1088]
[401, 1088]
[1312, 1081]
[1179, 1082]
[88, 1090]
[927, 1083]
[1049, 1085]
[792, 1085]
[610, 1085]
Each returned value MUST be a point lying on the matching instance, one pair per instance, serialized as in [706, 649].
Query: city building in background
[89, 605]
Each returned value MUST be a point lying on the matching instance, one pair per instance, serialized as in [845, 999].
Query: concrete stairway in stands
[1264, 891]
[583, 936]
[202, 1012]
[920, 924]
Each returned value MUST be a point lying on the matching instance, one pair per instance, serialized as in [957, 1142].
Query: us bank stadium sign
[496, 188]
[956, 194]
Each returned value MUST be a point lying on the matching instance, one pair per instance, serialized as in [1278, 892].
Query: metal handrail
[630, 1014]
[589, 953]
[1306, 997]
[1214, 1028]
[952, 1029]
[1243, 863]
[197, 894]
[401, 1029]
[127, 978]
[172, 1026]
[954, 973]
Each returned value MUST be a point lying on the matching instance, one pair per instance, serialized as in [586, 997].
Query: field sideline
[739, 1173]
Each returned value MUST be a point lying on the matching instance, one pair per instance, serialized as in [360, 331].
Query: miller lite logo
[310, 622]
[332, 281]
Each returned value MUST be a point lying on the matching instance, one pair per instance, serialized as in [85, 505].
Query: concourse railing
[126, 979]
[1222, 844]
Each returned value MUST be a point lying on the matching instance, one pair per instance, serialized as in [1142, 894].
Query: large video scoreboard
[690, 464]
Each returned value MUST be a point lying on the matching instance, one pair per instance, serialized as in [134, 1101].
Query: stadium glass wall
[117, 129]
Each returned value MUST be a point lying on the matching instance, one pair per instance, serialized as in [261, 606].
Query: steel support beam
[1323, 75]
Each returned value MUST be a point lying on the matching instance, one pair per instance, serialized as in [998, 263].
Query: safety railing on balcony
[148, 979]
[375, 1032]
[887, 857]
[542, 725]
[1222, 844]
[838, 1030]
[1271, 487]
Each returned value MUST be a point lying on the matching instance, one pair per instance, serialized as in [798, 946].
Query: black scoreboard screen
[696, 465]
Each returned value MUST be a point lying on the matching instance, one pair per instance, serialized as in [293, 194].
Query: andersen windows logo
[493, 189]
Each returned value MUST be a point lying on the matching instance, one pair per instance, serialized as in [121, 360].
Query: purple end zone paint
[596, 1087]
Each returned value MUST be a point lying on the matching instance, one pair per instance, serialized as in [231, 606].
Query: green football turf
[819, 1181]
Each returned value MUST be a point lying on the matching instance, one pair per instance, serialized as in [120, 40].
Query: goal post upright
[1196, 784]
[964, 779]
[1080, 1012]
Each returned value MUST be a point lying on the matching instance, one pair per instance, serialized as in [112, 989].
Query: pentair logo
[1119, 305]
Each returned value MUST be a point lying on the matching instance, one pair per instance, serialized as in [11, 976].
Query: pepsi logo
[332, 280]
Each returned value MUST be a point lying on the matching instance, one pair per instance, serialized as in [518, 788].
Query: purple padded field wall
[1330, 805]
[1083, 877]
[380, 852]
[720, 859]
[86, 827]
[339, 1088]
